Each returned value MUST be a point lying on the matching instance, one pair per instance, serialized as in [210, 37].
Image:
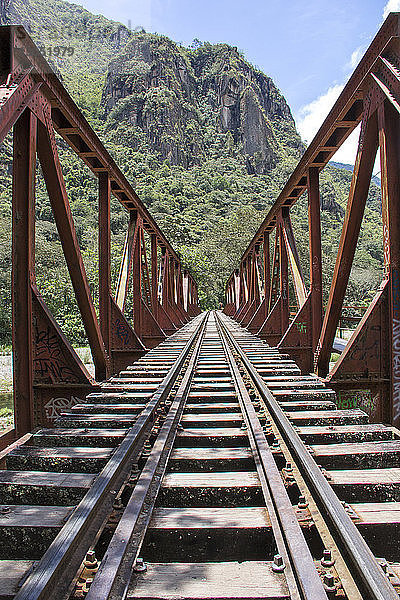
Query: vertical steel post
[283, 277]
[252, 276]
[249, 264]
[23, 267]
[256, 275]
[367, 148]
[237, 283]
[137, 280]
[154, 274]
[267, 271]
[314, 227]
[165, 277]
[173, 280]
[105, 259]
[389, 142]
[241, 287]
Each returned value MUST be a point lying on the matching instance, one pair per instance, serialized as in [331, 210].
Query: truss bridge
[212, 454]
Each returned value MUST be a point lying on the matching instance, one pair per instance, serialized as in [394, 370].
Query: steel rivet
[384, 566]
[90, 557]
[118, 504]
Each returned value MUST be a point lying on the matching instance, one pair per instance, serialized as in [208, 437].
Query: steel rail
[57, 567]
[112, 580]
[301, 574]
[364, 567]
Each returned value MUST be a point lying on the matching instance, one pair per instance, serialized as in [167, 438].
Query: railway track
[210, 469]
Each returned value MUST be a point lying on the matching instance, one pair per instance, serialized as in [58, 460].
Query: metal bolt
[327, 560]
[79, 589]
[90, 563]
[90, 558]
[118, 504]
[140, 566]
[87, 585]
[113, 518]
[329, 582]
[278, 565]
[289, 466]
[384, 566]
[302, 503]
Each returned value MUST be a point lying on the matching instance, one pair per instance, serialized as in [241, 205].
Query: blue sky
[308, 47]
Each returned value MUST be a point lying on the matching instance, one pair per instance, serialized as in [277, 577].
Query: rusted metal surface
[35, 102]
[23, 250]
[105, 260]
[260, 471]
[367, 148]
[314, 225]
[300, 568]
[125, 545]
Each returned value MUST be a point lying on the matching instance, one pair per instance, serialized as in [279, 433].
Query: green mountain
[207, 139]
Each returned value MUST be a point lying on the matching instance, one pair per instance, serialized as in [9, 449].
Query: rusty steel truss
[48, 374]
[367, 373]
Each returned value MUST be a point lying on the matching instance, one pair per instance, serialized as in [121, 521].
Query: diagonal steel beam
[367, 149]
[52, 173]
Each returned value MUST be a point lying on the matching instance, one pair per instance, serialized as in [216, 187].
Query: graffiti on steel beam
[396, 342]
[55, 406]
[121, 331]
[350, 399]
[48, 362]
[362, 351]
[301, 327]
[386, 250]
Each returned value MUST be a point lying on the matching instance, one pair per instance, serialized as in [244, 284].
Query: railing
[48, 374]
[258, 297]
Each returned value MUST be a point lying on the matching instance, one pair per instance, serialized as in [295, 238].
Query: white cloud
[356, 56]
[348, 151]
[312, 115]
[391, 6]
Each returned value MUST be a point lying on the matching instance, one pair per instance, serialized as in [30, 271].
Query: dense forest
[207, 140]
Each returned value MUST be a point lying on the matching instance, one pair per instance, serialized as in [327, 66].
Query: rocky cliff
[179, 97]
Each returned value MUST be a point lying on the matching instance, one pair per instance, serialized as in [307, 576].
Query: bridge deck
[207, 480]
